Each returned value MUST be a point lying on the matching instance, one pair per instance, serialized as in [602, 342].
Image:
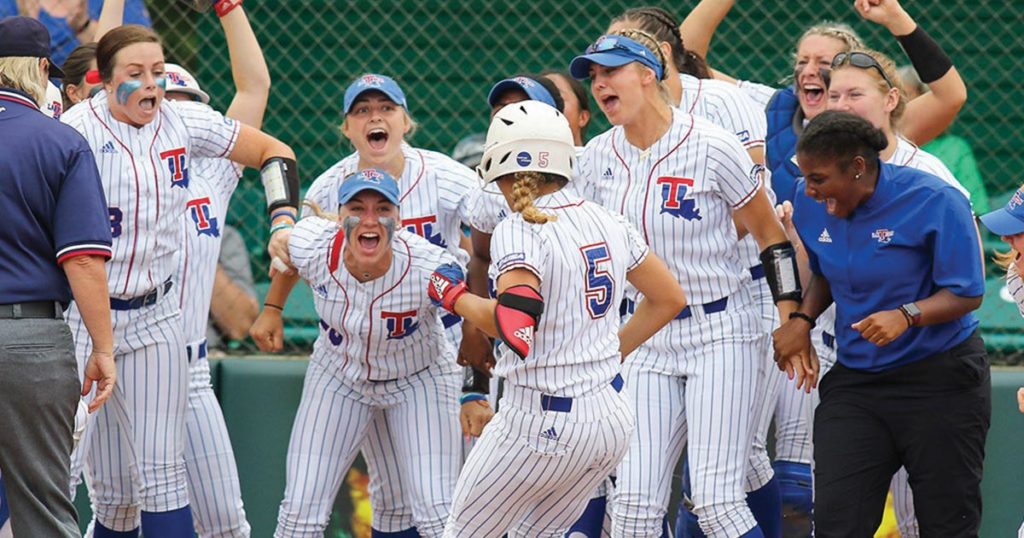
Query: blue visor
[614, 51]
[374, 83]
[531, 87]
[371, 179]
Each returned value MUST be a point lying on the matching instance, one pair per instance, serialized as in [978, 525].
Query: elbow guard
[779, 261]
[516, 317]
[280, 178]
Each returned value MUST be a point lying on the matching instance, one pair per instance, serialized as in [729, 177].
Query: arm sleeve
[221, 173]
[516, 245]
[212, 134]
[1015, 286]
[761, 94]
[457, 189]
[740, 115]
[310, 245]
[234, 258]
[81, 221]
[737, 176]
[638, 249]
[956, 259]
[485, 210]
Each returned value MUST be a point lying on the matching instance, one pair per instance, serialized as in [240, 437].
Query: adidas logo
[607, 173]
[824, 237]
[525, 334]
[549, 434]
[108, 148]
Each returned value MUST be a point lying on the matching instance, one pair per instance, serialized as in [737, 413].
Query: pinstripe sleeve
[308, 246]
[737, 176]
[458, 182]
[1015, 286]
[517, 245]
[221, 173]
[319, 191]
[638, 249]
[212, 134]
[759, 93]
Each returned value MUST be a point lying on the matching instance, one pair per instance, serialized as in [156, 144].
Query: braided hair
[664, 27]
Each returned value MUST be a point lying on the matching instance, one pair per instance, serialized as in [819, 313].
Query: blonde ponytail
[524, 189]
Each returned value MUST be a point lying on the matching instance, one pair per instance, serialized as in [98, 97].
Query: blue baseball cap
[372, 179]
[531, 87]
[378, 83]
[1009, 219]
[613, 51]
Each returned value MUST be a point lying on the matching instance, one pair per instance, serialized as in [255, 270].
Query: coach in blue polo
[53, 247]
[896, 249]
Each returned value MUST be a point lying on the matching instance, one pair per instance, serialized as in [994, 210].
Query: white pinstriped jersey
[488, 207]
[1014, 286]
[726, 106]
[212, 183]
[378, 330]
[757, 92]
[146, 174]
[435, 193]
[582, 260]
[680, 193]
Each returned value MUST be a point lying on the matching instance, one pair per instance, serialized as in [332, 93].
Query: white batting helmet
[53, 105]
[528, 136]
[181, 81]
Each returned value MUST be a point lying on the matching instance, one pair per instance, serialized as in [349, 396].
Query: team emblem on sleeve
[175, 159]
[400, 324]
[673, 198]
[199, 210]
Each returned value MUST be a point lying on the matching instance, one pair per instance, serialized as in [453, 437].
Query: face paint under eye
[126, 89]
[161, 82]
[390, 224]
[349, 225]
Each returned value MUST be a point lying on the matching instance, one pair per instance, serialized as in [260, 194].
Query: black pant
[930, 416]
[38, 397]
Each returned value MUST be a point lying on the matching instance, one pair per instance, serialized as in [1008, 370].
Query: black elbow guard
[280, 178]
[779, 261]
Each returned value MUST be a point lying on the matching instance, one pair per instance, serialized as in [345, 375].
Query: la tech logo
[673, 198]
[883, 235]
[199, 209]
[400, 324]
[175, 159]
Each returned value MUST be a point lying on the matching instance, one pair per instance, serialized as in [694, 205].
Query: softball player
[382, 360]
[144, 148]
[562, 425]
[681, 180]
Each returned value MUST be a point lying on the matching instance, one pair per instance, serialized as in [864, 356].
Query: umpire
[53, 246]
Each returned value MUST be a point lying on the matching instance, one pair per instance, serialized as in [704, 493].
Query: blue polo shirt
[51, 200]
[914, 236]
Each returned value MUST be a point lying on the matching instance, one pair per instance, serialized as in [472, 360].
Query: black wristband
[274, 306]
[474, 380]
[930, 61]
[804, 317]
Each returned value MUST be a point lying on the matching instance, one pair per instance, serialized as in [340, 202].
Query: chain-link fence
[446, 55]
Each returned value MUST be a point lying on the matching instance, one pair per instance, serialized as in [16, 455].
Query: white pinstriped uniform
[696, 381]
[795, 433]
[726, 106]
[545, 463]
[381, 360]
[434, 204]
[1015, 287]
[145, 175]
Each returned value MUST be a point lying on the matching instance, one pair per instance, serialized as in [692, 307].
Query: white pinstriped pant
[532, 472]
[702, 394]
[133, 447]
[334, 416]
[794, 427]
[760, 467]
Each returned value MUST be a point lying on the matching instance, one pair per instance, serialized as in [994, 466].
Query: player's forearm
[111, 16]
[648, 318]
[759, 217]
[477, 277]
[281, 286]
[699, 26]
[479, 312]
[232, 308]
[817, 297]
[248, 69]
[87, 276]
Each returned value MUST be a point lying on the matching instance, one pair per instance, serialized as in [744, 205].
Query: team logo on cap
[524, 159]
[674, 200]
[372, 175]
[176, 79]
[372, 80]
[883, 235]
[199, 210]
[400, 324]
[524, 82]
[1016, 201]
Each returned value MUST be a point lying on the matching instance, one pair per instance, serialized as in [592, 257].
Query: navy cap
[532, 88]
[1007, 220]
[25, 36]
[372, 82]
[613, 51]
[373, 179]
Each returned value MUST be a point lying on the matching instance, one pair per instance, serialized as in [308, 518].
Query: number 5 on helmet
[516, 317]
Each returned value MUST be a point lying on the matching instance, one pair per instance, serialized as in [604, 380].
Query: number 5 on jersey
[600, 284]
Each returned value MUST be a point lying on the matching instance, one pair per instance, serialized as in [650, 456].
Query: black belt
[828, 340]
[142, 300]
[563, 404]
[709, 308]
[757, 272]
[34, 310]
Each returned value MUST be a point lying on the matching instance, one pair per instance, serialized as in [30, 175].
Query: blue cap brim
[395, 98]
[580, 66]
[537, 93]
[1002, 222]
[389, 196]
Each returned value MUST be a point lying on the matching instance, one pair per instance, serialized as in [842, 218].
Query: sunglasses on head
[607, 44]
[861, 60]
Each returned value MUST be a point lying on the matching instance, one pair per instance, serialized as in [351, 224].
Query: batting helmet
[528, 136]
